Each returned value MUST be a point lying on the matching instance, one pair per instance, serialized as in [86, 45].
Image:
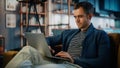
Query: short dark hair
[87, 7]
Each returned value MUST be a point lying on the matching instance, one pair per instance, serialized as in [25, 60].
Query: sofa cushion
[115, 43]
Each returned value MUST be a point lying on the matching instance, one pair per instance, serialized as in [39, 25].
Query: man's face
[81, 18]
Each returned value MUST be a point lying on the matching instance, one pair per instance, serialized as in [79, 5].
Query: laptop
[38, 41]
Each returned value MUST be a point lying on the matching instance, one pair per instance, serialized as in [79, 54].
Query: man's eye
[74, 16]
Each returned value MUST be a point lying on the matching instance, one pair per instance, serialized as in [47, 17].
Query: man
[85, 46]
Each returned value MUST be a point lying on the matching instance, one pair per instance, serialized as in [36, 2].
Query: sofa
[115, 50]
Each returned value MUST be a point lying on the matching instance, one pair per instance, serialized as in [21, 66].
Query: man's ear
[90, 16]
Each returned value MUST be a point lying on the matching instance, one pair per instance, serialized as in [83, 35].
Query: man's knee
[26, 47]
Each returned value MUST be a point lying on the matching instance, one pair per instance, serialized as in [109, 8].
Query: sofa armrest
[7, 56]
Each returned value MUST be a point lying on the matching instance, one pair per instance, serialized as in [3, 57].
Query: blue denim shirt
[96, 47]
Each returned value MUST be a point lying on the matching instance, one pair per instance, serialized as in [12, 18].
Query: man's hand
[52, 51]
[65, 55]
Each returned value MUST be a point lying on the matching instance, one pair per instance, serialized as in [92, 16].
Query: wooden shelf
[63, 3]
[34, 25]
[42, 13]
[108, 17]
[29, 1]
[57, 24]
[60, 12]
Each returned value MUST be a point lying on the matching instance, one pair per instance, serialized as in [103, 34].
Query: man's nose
[77, 19]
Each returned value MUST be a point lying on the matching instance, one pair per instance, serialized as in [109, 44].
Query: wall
[12, 38]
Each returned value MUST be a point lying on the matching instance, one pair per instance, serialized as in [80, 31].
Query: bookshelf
[33, 17]
[61, 12]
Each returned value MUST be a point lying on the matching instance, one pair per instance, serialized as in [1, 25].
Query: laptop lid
[38, 41]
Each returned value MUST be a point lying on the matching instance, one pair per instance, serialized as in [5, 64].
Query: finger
[59, 54]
